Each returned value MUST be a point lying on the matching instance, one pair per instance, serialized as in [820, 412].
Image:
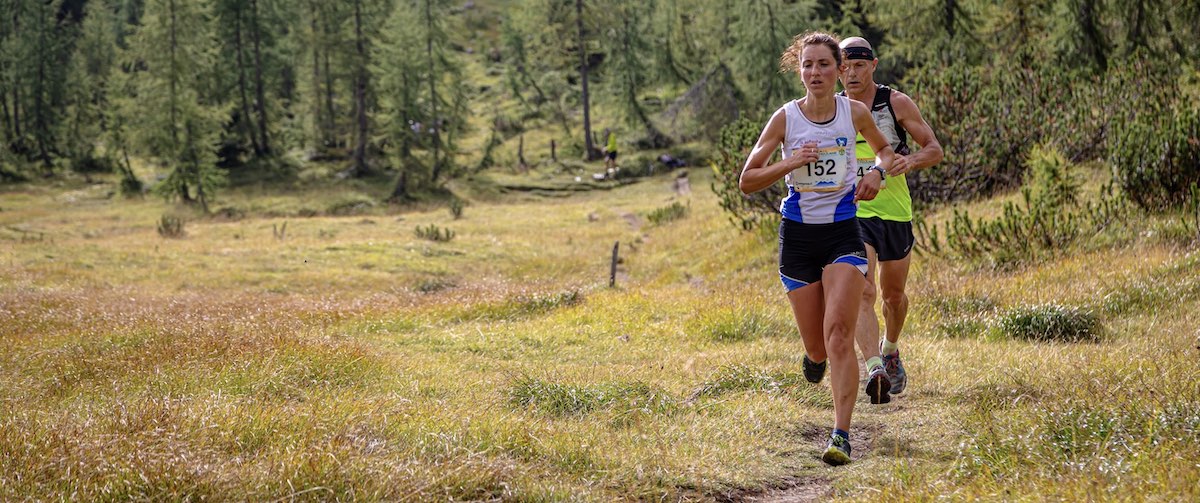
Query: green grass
[350, 359]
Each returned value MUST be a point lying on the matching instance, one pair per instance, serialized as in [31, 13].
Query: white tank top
[821, 192]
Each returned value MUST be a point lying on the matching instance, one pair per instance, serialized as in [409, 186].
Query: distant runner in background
[886, 220]
[610, 154]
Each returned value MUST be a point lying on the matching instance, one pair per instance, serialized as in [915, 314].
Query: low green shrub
[666, 214]
[170, 226]
[1048, 218]
[1050, 322]
[434, 233]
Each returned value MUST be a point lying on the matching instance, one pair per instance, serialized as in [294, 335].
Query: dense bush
[1048, 217]
[988, 119]
[753, 211]
[1156, 155]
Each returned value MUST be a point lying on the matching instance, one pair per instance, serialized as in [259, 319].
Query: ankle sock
[873, 362]
[889, 347]
[842, 433]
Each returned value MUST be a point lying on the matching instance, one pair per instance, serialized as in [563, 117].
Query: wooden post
[612, 272]
[553, 156]
[521, 155]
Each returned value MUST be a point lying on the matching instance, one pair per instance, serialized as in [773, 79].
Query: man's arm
[910, 119]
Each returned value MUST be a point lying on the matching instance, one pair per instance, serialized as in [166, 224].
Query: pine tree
[87, 87]
[31, 80]
[762, 31]
[172, 55]
[423, 94]
[627, 47]
[1080, 39]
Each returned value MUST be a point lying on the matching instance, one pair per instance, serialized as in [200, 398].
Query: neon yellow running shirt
[893, 202]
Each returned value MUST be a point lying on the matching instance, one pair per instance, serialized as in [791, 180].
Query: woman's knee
[840, 338]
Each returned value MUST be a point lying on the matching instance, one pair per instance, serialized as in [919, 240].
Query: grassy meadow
[342, 357]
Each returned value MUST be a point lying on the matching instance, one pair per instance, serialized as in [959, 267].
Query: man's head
[859, 63]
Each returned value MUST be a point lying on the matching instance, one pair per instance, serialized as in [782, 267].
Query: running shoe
[838, 451]
[895, 372]
[813, 371]
[879, 386]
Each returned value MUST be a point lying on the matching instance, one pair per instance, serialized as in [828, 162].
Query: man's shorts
[805, 250]
[612, 154]
[892, 240]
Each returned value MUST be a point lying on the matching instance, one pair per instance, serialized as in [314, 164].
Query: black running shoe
[838, 451]
[813, 371]
[878, 386]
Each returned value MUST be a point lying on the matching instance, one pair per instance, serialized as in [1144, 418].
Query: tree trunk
[260, 103]
[8, 129]
[436, 122]
[769, 96]
[330, 120]
[18, 136]
[592, 153]
[318, 119]
[400, 187]
[171, 79]
[41, 109]
[521, 155]
[245, 123]
[360, 94]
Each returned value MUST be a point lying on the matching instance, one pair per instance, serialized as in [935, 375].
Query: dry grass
[352, 360]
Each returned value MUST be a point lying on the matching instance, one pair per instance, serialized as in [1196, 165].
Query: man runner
[886, 220]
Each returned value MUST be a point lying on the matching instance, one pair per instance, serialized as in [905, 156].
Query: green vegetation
[1051, 322]
[352, 359]
[300, 341]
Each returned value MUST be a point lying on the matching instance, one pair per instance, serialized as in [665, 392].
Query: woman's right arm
[756, 174]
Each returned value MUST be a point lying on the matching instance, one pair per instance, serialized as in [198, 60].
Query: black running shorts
[805, 250]
[892, 240]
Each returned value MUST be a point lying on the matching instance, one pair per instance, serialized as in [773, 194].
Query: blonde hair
[790, 61]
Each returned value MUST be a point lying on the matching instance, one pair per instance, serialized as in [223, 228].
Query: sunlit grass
[346, 358]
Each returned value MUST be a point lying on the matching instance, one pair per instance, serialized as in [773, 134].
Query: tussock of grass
[351, 205]
[561, 400]
[1084, 443]
[667, 214]
[520, 306]
[737, 324]
[735, 378]
[1001, 393]
[965, 304]
[1171, 284]
[1050, 322]
[964, 328]
[431, 285]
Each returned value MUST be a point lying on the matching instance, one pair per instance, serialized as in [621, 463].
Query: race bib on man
[827, 174]
[865, 165]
